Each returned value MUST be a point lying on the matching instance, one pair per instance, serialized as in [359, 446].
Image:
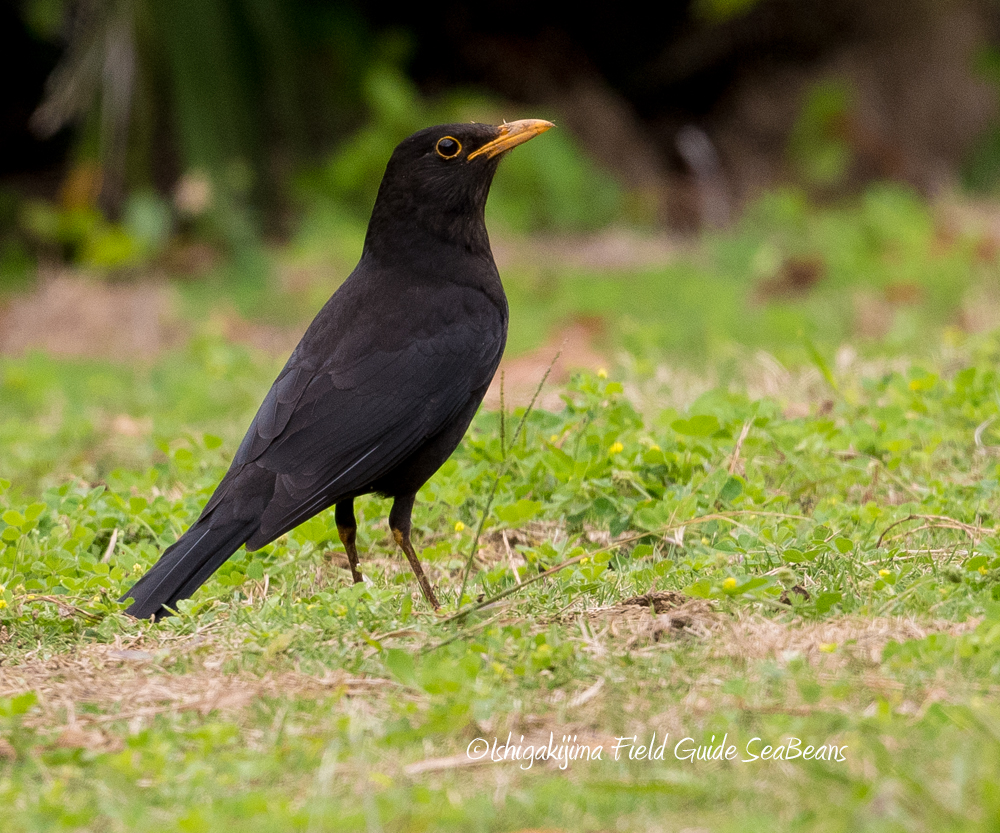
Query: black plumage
[385, 381]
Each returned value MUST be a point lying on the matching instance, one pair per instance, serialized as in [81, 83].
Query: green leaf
[401, 666]
[34, 511]
[701, 589]
[13, 518]
[752, 584]
[703, 425]
[843, 545]
[515, 514]
[976, 562]
[825, 601]
[18, 704]
[642, 551]
[278, 645]
[731, 490]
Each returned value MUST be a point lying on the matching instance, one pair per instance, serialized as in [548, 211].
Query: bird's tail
[186, 565]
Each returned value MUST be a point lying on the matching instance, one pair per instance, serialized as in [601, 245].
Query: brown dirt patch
[656, 616]
[855, 640]
[71, 315]
[521, 375]
[131, 683]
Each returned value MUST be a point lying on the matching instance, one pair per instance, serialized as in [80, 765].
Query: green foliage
[84, 235]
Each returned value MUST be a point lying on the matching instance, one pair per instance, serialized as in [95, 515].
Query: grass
[814, 565]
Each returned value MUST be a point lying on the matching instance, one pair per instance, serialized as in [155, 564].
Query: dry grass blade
[67, 608]
[734, 461]
[106, 558]
[499, 477]
[441, 764]
[510, 558]
[935, 522]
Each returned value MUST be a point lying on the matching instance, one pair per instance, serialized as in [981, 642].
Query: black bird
[385, 381]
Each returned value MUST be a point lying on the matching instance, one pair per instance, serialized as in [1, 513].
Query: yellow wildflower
[729, 584]
[616, 448]
[602, 373]
[459, 526]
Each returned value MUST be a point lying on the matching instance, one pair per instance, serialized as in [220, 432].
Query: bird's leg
[399, 523]
[347, 529]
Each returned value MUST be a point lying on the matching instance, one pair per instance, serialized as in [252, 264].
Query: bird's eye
[448, 148]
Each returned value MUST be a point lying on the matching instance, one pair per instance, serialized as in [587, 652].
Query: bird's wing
[333, 429]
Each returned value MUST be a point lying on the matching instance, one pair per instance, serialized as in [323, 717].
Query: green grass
[827, 559]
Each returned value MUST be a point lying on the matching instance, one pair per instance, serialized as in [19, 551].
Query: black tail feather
[186, 565]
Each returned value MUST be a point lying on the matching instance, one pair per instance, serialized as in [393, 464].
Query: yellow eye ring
[448, 147]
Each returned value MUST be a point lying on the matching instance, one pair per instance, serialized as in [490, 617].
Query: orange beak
[510, 135]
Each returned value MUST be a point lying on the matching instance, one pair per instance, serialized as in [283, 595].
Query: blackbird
[386, 379]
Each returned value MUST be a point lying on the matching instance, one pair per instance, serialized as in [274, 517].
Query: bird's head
[437, 181]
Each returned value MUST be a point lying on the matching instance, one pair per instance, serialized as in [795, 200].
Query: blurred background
[729, 175]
